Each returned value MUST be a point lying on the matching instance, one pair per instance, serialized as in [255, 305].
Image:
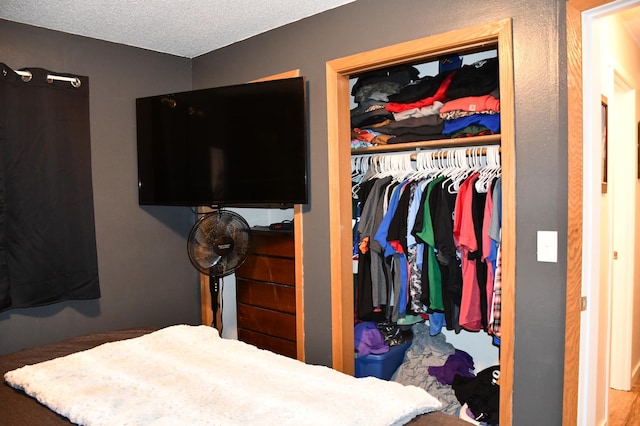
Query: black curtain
[47, 230]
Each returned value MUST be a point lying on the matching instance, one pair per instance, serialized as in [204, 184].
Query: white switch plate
[548, 246]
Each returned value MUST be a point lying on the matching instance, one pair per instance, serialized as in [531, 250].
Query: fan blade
[219, 243]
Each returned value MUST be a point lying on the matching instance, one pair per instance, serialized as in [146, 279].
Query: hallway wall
[623, 53]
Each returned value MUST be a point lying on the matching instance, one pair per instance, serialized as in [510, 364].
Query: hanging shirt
[448, 259]
[487, 244]
[464, 234]
[398, 258]
[370, 219]
[427, 235]
[495, 321]
[495, 232]
[415, 251]
[363, 295]
[478, 203]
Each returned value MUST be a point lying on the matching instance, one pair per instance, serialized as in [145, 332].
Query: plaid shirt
[494, 325]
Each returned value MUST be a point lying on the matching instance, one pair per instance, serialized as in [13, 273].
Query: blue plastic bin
[381, 366]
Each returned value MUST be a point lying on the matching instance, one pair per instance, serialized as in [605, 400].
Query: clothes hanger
[430, 164]
[359, 169]
[355, 169]
[422, 165]
[482, 183]
[462, 170]
[491, 171]
[403, 167]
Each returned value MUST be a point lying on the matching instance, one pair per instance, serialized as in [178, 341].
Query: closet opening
[340, 74]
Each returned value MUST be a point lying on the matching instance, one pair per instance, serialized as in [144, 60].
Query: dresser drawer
[270, 343]
[272, 243]
[267, 295]
[265, 268]
[266, 321]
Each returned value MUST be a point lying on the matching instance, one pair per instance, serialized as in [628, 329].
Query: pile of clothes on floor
[448, 374]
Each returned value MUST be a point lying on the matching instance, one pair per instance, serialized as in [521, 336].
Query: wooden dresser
[265, 293]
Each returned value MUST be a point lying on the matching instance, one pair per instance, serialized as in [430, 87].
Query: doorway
[590, 375]
[622, 224]
[418, 50]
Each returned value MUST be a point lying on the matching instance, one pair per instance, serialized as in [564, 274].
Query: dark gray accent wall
[541, 157]
[145, 275]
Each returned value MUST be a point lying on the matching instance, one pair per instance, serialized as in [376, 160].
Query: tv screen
[241, 145]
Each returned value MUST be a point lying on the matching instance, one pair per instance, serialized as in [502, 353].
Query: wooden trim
[574, 11]
[509, 212]
[285, 74]
[206, 313]
[340, 220]
[583, 5]
[415, 51]
[298, 239]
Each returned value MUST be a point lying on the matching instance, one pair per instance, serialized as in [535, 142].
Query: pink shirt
[486, 245]
[464, 234]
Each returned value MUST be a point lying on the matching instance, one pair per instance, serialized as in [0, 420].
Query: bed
[207, 400]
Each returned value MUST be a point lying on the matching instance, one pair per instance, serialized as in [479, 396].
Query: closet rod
[433, 144]
[75, 81]
[468, 152]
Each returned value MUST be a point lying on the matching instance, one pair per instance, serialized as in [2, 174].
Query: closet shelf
[433, 144]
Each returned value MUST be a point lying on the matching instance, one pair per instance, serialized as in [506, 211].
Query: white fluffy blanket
[188, 375]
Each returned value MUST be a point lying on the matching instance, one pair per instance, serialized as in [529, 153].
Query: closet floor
[624, 407]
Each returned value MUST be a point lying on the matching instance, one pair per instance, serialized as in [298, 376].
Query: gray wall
[145, 275]
[540, 96]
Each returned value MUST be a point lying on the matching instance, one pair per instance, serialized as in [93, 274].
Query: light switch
[548, 246]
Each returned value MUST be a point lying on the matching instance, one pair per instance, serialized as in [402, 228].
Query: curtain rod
[75, 81]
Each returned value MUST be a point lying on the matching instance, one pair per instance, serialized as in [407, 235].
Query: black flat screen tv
[241, 145]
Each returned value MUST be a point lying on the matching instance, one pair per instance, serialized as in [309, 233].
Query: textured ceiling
[185, 28]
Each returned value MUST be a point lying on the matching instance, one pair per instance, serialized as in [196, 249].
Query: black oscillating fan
[218, 244]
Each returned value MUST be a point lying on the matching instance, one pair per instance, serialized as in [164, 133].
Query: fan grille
[219, 243]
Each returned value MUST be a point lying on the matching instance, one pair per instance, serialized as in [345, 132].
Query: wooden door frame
[421, 50]
[574, 9]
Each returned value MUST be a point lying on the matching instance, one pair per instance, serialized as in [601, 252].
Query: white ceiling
[185, 28]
